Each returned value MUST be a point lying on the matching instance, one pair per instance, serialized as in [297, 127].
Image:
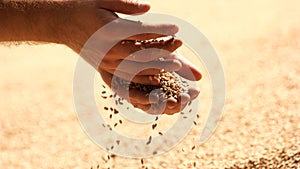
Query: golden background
[259, 46]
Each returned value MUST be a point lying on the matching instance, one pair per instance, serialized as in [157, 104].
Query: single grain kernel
[149, 140]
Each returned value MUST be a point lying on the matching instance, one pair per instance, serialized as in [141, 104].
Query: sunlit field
[258, 43]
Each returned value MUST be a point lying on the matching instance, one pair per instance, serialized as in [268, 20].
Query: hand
[73, 23]
[149, 102]
[123, 50]
[84, 20]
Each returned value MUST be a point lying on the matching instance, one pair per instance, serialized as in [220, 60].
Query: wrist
[34, 20]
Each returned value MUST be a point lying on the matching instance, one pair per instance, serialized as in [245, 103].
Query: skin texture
[73, 22]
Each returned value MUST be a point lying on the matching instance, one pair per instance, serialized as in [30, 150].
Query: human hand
[148, 97]
[87, 18]
[73, 22]
[152, 99]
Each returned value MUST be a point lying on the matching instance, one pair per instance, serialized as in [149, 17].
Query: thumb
[188, 70]
[125, 6]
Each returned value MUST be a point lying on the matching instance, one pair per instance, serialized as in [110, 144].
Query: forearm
[32, 20]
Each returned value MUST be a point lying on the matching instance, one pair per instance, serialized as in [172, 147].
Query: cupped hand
[149, 102]
[78, 23]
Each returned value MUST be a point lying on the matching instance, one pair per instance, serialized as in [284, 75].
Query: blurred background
[259, 46]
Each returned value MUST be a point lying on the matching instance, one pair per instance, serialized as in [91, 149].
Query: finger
[145, 108]
[149, 68]
[193, 92]
[128, 49]
[148, 55]
[122, 27]
[150, 109]
[175, 110]
[159, 108]
[125, 6]
[169, 106]
[171, 102]
[133, 67]
[188, 70]
[168, 43]
[141, 79]
[182, 99]
[137, 96]
[146, 36]
[106, 77]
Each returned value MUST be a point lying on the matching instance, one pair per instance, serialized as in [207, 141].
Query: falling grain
[149, 140]
[193, 147]
[154, 126]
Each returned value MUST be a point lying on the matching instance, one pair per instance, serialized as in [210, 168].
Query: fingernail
[171, 106]
[175, 29]
[153, 98]
[154, 80]
[197, 74]
[177, 64]
[171, 103]
[184, 98]
[174, 66]
[194, 93]
[143, 5]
